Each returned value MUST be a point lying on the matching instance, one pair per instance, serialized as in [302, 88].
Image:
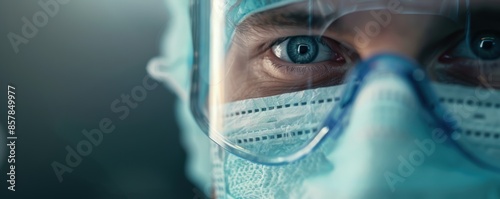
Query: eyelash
[460, 49]
[336, 48]
[267, 46]
[301, 69]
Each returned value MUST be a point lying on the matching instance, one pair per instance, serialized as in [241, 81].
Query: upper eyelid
[320, 37]
[457, 45]
[280, 40]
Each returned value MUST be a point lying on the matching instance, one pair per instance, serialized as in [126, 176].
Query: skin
[251, 70]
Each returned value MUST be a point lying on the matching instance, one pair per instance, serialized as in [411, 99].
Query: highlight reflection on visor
[278, 72]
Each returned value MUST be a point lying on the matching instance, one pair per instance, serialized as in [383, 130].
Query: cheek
[243, 79]
[476, 74]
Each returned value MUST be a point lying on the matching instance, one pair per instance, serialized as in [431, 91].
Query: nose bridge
[392, 42]
[403, 35]
[388, 145]
[382, 31]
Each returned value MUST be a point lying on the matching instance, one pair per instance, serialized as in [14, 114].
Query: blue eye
[486, 46]
[303, 50]
[483, 46]
[473, 62]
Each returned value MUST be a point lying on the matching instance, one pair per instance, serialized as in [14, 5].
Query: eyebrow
[285, 18]
[300, 16]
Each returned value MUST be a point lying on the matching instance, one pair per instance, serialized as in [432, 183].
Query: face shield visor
[272, 79]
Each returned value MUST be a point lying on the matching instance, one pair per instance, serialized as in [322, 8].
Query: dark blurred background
[66, 77]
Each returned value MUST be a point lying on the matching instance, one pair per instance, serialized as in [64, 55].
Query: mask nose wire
[333, 126]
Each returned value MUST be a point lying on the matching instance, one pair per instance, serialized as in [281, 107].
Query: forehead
[238, 10]
[316, 12]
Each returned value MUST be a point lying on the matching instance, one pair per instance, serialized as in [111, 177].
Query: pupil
[485, 47]
[487, 43]
[302, 49]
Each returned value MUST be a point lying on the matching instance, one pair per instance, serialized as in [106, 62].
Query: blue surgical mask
[387, 141]
[391, 146]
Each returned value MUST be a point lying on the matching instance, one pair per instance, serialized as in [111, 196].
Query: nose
[389, 150]
[375, 32]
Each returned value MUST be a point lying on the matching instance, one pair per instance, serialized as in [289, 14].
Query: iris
[302, 49]
[486, 46]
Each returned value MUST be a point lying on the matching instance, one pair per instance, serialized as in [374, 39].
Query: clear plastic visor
[267, 74]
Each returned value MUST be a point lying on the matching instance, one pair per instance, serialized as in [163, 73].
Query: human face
[254, 69]
[277, 62]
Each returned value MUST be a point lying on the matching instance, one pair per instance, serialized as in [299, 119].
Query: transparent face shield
[273, 79]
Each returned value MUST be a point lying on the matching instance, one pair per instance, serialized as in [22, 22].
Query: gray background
[66, 77]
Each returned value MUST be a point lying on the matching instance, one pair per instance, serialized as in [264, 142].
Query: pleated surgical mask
[348, 98]
[255, 49]
[390, 147]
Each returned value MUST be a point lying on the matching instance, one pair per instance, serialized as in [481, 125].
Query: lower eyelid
[277, 68]
[311, 76]
[283, 70]
[302, 69]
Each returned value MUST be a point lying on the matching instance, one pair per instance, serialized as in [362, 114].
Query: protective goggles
[300, 65]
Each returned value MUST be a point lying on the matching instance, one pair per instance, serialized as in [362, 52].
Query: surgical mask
[265, 48]
[390, 148]
[273, 57]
